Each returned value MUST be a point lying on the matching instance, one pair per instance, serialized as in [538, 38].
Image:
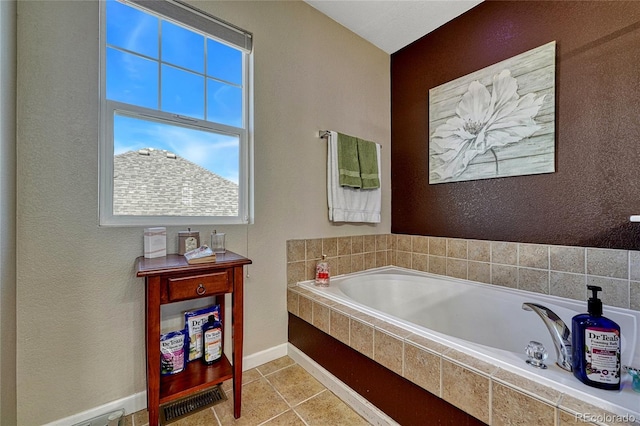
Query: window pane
[167, 170]
[224, 62]
[132, 79]
[224, 103]
[182, 47]
[182, 92]
[132, 29]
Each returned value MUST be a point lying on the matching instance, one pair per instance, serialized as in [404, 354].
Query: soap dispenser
[596, 346]
[322, 272]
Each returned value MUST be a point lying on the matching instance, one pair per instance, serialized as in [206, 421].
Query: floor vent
[182, 407]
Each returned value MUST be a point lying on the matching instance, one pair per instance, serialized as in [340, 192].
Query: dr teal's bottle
[211, 340]
[596, 346]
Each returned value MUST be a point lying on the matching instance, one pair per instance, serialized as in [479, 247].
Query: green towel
[348, 165]
[368, 162]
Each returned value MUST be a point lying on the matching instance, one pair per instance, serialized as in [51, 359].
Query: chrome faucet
[560, 333]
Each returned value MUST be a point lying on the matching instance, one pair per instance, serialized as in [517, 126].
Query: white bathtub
[485, 321]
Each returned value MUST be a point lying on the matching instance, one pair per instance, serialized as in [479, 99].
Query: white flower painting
[492, 124]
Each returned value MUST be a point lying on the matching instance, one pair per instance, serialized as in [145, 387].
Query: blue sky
[197, 77]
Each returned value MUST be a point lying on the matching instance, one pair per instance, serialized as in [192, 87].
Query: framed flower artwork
[495, 122]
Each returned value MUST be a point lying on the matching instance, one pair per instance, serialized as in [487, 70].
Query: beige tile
[389, 328]
[357, 244]
[357, 262]
[466, 390]
[381, 258]
[542, 392]
[310, 269]
[426, 343]
[634, 292]
[479, 250]
[571, 286]
[381, 242]
[456, 248]
[295, 250]
[504, 253]
[327, 409]
[403, 243]
[260, 402]
[533, 256]
[361, 337]
[438, 265]
[503, 275]
[295, 384]
[608, 263]
[567, 259]
[437, 246]
[313, 249]
[295, 272]
[330, 246]
[387, 351]
[369, 243]
[340, 326]
[614, 292]
[566, 419]
[420, 262]
[321, 317]
[369, 260]
[479, 271]
[403, 259]
[457, 268]
[510, 407]
[247, 377]
[201, 418]
[275, 365]
[344, 246]
[128, 420]
[288, 418]
[420, 244]
[344, 265]
[470, 362]
[422, 367]
[305, 309]
[634, 265]
[392, 242]
[292, 302]
[583, 410]
[536, 280]
[140, 418]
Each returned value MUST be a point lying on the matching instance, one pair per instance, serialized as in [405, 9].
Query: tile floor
[279, 392]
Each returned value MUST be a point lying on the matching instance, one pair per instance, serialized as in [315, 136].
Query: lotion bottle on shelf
[322, 272]
[596, 346]
[211, 340]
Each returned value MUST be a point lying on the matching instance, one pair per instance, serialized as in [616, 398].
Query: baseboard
[131, 404]
[363, 407]
[138, 401]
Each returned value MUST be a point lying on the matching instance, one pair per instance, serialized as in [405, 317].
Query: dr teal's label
[602, 353]
[212, 345]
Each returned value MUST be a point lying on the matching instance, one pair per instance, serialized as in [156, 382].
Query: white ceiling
[392, 24]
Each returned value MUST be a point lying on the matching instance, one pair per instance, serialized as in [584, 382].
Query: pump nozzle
[594, 305]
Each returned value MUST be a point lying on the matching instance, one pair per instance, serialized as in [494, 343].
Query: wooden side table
[171, 279]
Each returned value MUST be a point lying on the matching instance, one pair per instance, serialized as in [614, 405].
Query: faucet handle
[537, 354]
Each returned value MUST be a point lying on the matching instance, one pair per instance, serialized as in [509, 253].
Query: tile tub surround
[489, 393]
[556, 270]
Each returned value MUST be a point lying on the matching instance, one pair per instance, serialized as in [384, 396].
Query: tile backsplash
[557, 270]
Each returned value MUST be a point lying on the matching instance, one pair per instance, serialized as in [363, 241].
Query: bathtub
[484, 321]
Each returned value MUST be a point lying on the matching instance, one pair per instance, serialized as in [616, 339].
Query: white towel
[350, 204]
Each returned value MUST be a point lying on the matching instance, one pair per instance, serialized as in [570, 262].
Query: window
[175, 145]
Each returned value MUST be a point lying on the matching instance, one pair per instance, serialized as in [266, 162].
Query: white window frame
[171, 10]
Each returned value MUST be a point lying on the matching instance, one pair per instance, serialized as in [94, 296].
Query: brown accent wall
[596, 186]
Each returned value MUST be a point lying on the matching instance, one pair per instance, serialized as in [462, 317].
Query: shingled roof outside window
[156, 182]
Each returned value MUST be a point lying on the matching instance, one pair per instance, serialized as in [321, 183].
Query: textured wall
[80, 310]
[7, 213]
[595, 188]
